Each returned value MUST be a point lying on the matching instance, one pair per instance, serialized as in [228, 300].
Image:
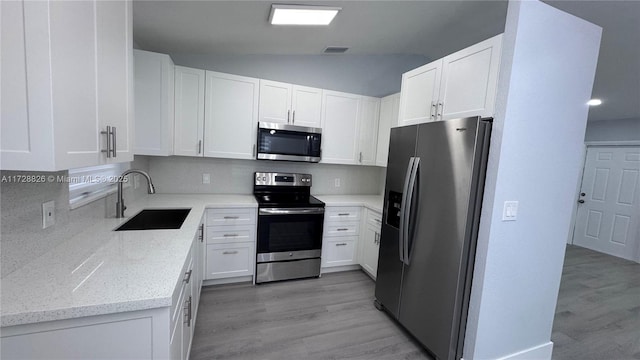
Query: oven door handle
[291, 211]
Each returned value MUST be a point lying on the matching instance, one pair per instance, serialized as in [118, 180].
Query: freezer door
[402, 147]
[434, 278]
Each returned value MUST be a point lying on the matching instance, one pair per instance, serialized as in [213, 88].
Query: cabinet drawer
[230, 234]
[341, 229]
[339, 251]
[342, 213]
[230, 260]
[240, 216]
[374, 218]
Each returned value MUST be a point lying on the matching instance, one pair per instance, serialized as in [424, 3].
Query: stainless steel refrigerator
[433, 195]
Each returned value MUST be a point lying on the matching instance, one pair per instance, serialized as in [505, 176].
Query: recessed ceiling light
[302, 14]
[594, 102]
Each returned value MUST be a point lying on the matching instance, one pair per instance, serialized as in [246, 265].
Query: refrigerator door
[402, 147]
[449, 173]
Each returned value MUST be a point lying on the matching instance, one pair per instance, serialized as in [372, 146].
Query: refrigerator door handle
[403, 209]
[412, 188]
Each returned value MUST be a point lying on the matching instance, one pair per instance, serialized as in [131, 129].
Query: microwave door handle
[403, 209]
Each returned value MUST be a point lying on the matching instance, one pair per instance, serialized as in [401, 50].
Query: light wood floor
[597, 317]
[598, 312]
[332, 317]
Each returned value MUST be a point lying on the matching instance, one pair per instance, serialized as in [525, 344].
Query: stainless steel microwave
[288, 142]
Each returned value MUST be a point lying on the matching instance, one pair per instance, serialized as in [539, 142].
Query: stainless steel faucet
[120, 208]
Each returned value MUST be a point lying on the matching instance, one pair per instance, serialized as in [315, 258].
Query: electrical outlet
[48, 214]
[510, 211]
[336, 182]
[206, 179]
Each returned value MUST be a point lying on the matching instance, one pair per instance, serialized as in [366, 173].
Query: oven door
[288, 142]
[289, 233]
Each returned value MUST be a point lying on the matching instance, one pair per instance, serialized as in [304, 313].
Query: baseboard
[540, 352]
[233, 280]
[326, 270]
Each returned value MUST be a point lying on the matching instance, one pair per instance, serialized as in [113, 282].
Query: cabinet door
[74, 84]
[339, 251]
[231, 116]
[419, 94]
[306, 106]
[189, 111]
[115, 75]
[389, 106]
[154, 80]
[368, 130]
[369, 240]
[469, 80]
[275, 102]
[340, 113]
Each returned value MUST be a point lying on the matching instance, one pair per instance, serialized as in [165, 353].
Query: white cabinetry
[154, 89]
[340, 112]
[231, 116]
[461, 84]
[370, 242]
[189, 111]
[66, 76]
[368, 130]
[290, 104]
[231, 245]
[389, 107]
[340, 238]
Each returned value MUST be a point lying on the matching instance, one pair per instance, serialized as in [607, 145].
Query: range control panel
[282, 179]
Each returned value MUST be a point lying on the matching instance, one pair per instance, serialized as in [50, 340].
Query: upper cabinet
[285, 103]
[389, 107]
[368, 130]
[189, 111]
[67, 84]
[231, 116]
[340, 113]
[459, 85]
[154, 120]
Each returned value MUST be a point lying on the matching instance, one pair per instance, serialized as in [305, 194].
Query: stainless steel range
[289, 227]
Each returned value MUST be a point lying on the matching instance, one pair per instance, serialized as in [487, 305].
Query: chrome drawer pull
[187, 276]
[230, 235]
[231, 217]
[342, 229]
[343, 214]
[229, 252]
[341, 244]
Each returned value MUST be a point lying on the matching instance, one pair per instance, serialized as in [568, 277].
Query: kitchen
[186, 175]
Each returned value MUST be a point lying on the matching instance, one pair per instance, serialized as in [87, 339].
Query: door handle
[581, 201]
[440, 109]
[412, 182]
[113, 139]
[403, 208]
[108, 134]
[432, 113]
[293, 118]
[199, 146]
[288, 115]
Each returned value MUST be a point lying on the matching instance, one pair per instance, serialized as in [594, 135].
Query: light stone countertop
[101, 271]
[373, 202]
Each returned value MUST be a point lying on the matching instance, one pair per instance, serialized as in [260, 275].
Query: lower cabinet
[340, 237]
[370, 242]
[230, 245]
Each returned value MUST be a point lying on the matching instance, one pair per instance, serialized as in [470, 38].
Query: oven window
[288, 143]
[277, 233]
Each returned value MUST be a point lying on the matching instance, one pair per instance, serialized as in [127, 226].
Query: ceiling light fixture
[594, 102]
[282, 14]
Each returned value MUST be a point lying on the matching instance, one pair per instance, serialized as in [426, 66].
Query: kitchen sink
[156, 219]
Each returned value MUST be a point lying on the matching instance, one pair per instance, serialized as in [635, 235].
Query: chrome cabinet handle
[114, 146]
[293, 118]
[432, 113]
[201, 236]
[187, 309]
[187, 276]
[441, 109]
[288, 114]
[199, 146]
[343, 214]
[360, 159]
[230, 235]
[108, 134]
[231, 217]
[253, 152]
[342, 229]
[229, 252]
[341, 244]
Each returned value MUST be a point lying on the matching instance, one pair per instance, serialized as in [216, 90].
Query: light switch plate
[510, 211]
[206, 178]
[48, 214]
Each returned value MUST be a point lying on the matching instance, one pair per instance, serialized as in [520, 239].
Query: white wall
[613, 130]
[372, 75]
[548, 66]
[180, 174]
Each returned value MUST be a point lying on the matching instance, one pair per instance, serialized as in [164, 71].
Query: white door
[231, 116]
[469, 80]
[306, 106]
[340, 113]
[609, 211]
[419, 94]
[189, 111]
[275, 102]
[368, 130]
